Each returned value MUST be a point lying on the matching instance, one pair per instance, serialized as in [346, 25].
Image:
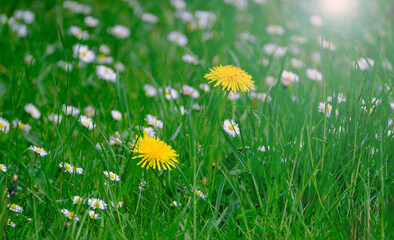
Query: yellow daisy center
[112, 176]
[102, 57]
[93, 215]
[154, 153]
[68, 167]
[13, 206]
[2, 125]
[96, 204]
[21, 125]
[231, 127]
[70, 214]
[153, 122]
[38, 150]
[167, 92]
[78, 200]
[86, 123]
[84, 53]
[231, 78]
[106, 70]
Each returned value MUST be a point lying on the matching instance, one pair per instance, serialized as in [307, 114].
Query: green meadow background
[322, 177]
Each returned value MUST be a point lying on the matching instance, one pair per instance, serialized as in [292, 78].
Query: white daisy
[38, 150]
[83, 53]
[233, 96]
[77, 200]
[150, 90]
[67, 167]
[116, 115]
[106, 73]
[69, 214]
[104, 49]
[147, 130]
[170, 93]
[296, 63]
[97, 203]
[89, 111]
[15, 208]
[175, 204]
[190, 91]
[153, 121]
[119, 31]
[112, 176]
[275, 29]
[91, 21]
[93, 215]
[56, 118]
[363, 63]
[231, 127]
[78, 170]
[3, 168]
[4, 125]
[326, 108]
[70, 110]
[64, 65]
[190, 59]
[178, 38]
[87, 122]
[115, 139]
[149, 18]
[205, 87]
[10, 223]
[314, 75]
[288, 78]
[18, 124]
[78, 33]
[325, 43]
[200, 194]
[33, 111]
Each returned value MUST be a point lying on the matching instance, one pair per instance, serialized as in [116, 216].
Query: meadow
[175, 119]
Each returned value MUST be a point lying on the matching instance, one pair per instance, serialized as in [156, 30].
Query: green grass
[337, 185]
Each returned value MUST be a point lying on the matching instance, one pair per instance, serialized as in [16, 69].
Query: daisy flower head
[115, 139]
[190, 59]
[325, 108]
[178, 38]
[200, 194]
[67, 167]
[153, 121]
[112, 176]
[4, 125]
[70, 110]
[33, 111]
[105, 73]
[314, 75]
[325, 43]
[18, 124]
[231, 127]
[78, 33]
[103, 59]
[231, 78]
[149, 18]
[15, 208]
[93, 215]
[116, 115]
[89, 111]
[77, 200]
[275, 29]
[78, 170]
[39, 151]
[3, 168]
[56, 118]
[233, 96]
[64, 65]
[91, 21]
[119, 31]
[175, 204]
[205, 87]
[170, 93]
[150, 90]
[147, 130]
[69, 214]
[154, 153]
[97, 203]
[190, 91]
[363, 63]
[83, 53]
[10, 223]
[87, 122]
[288, 78]
[296, 63]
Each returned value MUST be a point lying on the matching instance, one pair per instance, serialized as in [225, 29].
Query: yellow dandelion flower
[231, 78]
[154, 153]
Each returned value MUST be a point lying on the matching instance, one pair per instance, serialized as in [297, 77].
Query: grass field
[116, 121]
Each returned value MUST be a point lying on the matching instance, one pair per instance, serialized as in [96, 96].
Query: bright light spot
[339, 7]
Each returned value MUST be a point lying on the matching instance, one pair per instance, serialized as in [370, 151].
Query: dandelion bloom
[231, 78]
[154, 153]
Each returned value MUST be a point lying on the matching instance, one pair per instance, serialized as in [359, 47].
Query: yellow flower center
[231, 127]
[67, 166]
[70, 214]
[153, 122]
[38, 150]
[167, 92]
[102, 57]
[198, 192]
[92, 215]
[21, 125]
[13, 206]
[78, 200]
[2, 125]
[86, 123]
[112, 176]
[106, 70]
[96, 204]
[84, 53]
